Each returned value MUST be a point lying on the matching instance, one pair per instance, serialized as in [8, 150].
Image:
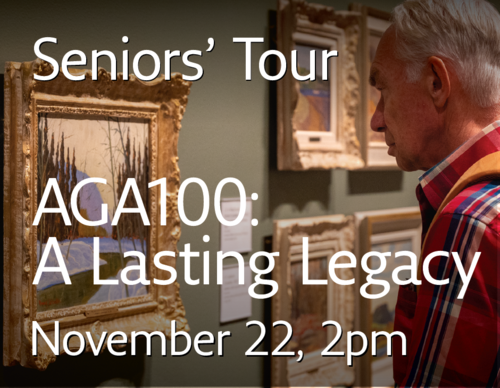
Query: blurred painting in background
[309, 308]
[313, 106]
[383, 309]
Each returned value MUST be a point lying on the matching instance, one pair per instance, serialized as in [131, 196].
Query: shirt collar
[437, 182]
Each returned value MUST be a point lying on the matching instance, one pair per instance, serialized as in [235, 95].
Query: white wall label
[235, 302]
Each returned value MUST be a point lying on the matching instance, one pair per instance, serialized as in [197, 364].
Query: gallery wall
[228, 130]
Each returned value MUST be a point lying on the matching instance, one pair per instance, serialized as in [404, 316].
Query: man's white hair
[466, 32]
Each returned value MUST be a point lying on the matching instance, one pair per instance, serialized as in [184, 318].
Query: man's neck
[466, 123]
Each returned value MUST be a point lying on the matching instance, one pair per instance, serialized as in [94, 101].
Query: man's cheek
[392, 114]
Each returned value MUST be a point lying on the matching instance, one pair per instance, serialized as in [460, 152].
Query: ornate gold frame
[374, 22]
[298, 22]
[369, 224]
[327, 235]
[162, 103]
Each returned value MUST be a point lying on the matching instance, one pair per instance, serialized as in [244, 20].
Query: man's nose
[377, 122]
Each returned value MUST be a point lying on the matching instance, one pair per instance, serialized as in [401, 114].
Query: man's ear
[438, 81]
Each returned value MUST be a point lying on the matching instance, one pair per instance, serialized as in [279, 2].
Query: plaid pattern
[452, 342]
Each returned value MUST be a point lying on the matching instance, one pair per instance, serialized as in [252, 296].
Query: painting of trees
[134, 165]
[73, 148]
[127, 157]
[54, 162]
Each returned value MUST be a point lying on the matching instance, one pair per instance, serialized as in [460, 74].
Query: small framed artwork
[57, 134]
[373, 145]
[391, 231]
[306, 306]
[316, 117]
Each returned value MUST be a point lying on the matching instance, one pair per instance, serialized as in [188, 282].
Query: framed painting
[306, 307]
[373, 146]
[391, 231]
[316, 117]
[65, 132]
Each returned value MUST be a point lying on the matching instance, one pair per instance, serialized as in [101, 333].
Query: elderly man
[438, 70]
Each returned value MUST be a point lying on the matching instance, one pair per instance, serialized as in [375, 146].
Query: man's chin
[404, 165]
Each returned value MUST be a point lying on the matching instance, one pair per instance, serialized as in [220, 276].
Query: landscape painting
[313, 106]
[309, 307]
[73, 148]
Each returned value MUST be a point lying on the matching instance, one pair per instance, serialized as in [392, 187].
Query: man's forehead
[384, 57]
[387, 41]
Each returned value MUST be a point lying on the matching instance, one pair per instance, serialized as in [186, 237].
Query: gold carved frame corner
[162, 104]
[306, 23]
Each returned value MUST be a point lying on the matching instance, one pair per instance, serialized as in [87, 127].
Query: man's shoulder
[480, 202]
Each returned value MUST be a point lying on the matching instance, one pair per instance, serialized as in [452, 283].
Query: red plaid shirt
[453, 342]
